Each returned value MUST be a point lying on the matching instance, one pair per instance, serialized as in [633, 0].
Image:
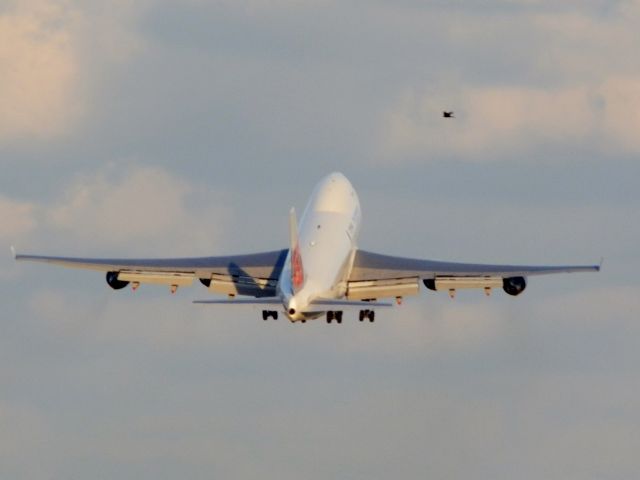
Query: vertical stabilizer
[297, 272]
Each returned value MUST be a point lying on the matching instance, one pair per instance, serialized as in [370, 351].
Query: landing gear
[269, 313]
[337, 316]
[370, 314]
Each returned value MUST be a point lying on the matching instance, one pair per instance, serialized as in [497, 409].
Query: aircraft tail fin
[297, 271]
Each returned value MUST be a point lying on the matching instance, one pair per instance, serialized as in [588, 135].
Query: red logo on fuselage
[297, 274]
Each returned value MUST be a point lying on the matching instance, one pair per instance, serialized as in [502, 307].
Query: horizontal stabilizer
[348, 303]
[267, 301]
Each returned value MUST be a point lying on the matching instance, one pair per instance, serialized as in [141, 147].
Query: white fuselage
[328, 231]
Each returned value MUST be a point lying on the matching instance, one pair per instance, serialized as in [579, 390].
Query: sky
[163, 128]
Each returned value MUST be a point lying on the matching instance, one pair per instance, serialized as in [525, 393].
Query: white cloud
[130, 211]
[39, 81]
[605, 308]
[54, 55]
[255, 6]
[122, 317]
[145, 209]
[18, 218]
[17, 223]
[24, 432]
[621, 120]
[578, 44]
[493, 122]
[551, 78]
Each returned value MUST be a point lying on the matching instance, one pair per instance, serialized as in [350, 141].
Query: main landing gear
[269, 313]
[337, 316]
[331, 315]
[370, 314]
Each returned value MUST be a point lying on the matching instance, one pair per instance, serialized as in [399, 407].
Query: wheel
[265, 314]
[372, 316]
[361, 315]
[339, 317]
[274, 315]
[330, 316]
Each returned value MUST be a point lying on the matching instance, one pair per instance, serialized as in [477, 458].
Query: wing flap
[368, 289]
[374, 266]
[177, 279]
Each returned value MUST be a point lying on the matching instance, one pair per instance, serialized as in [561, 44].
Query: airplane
[446, 114]
[322, 273]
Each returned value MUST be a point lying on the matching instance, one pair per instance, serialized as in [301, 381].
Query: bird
[446, 114]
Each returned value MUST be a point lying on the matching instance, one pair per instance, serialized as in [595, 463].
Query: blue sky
[189, 128]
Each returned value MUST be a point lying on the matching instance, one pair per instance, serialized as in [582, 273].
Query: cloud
[417, 328]
[18, 222]
[129, 211]
[55, 57]
[18, 218]
[559, 83]
[254, 6]
[124, 318]
[498, 121]
[579, 44]
[621, 119]
[595, 308]
[39, 81]
[145, 209]
[25, 431]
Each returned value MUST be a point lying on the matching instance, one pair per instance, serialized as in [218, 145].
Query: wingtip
[600, 264]
[13, 252]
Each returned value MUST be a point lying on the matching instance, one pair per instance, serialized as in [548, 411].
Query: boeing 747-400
[322, 273]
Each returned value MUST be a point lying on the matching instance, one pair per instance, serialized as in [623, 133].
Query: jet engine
[112, 280]
[514, 285]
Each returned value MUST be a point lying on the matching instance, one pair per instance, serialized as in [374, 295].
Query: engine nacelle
[430, 283]
[112, 280]
[514, 285]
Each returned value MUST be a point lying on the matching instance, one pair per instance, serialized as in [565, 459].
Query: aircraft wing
[373, 266]
[253, 274]
[395, 276]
